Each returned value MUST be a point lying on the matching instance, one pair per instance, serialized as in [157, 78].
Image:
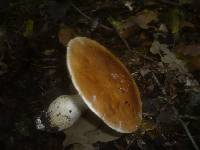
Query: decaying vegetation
[158, 40]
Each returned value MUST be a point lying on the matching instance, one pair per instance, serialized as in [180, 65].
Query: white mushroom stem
[62, 113]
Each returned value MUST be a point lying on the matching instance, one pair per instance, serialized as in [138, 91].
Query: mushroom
[104, 85]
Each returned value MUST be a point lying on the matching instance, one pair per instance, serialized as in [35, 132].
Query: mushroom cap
[105, 84]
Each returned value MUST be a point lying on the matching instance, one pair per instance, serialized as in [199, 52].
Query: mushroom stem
[62, 113]
[79, 102]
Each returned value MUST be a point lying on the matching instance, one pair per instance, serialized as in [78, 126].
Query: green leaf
[28, 28]
[174, 19]
[116, 24]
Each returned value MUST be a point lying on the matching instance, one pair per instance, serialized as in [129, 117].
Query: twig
[105, 27]
[146, 57]
[89, 18]
[80, 12]
[159, 85]
[190, 117]
[8, 44]
[186, 130]
[122, 39]
[102, 25]
[179, 118]
[125, 42]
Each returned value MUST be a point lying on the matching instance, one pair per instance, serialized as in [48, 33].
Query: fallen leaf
[117, 24]
[188, 50]
[191, 82]
[143, 18]
[191, 53]
[167, 56]
[163, 28]
[194, 63]
[174, 19]
[187, 24]
[121, 28]
[155, 47]
[87, 131]
[144, 71]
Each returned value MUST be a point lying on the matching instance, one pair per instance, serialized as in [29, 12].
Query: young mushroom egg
[62, 116]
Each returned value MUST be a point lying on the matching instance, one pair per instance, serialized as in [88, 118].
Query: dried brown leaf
[191, 53]
[188, 50]
[131, 25]
[88, 130]
[142, 19]
[168, 57]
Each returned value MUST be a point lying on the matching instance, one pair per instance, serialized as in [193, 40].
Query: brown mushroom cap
[104, 84]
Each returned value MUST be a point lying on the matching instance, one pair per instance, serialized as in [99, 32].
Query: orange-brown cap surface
[104, 84]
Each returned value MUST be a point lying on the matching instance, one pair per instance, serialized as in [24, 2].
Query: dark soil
[33, 70]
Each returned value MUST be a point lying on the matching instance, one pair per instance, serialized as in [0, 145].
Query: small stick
[122, 39]
[186, 130]
[190, 117]
[179, 118]
[159, 85]
[125, 42]
[83, 14]
[101, 25]
[89, 18]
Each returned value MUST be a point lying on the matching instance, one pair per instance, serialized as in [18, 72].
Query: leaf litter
[159, 43]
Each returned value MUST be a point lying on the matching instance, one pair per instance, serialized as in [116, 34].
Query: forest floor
[157, 40]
